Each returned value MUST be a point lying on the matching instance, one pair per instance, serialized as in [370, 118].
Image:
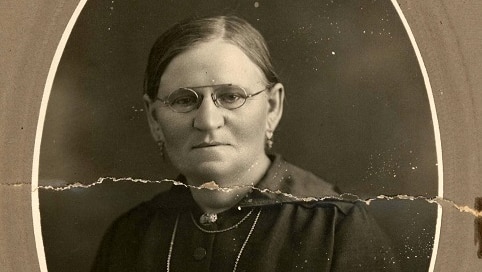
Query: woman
[213, 101]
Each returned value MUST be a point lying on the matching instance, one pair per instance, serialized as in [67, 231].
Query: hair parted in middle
[188, 33]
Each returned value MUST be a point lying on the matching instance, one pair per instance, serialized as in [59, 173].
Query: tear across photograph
[238, 136]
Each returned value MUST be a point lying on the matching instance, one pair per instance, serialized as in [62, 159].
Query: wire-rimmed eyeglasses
[227, 96]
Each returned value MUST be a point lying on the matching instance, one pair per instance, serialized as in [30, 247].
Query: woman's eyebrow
[206, 86]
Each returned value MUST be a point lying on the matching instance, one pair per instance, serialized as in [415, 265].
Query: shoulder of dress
[346, 207]
[292, 180]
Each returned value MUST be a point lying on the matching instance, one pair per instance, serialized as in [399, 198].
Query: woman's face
[213, 143]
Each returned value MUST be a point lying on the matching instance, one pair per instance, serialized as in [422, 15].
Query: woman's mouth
[208, 144]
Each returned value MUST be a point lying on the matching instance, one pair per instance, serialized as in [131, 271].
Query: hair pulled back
[186, 34]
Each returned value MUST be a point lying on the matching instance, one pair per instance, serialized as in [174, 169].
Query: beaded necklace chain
[173, 237]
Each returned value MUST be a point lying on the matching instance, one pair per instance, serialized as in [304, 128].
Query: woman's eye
[184, 101]
[229, 98]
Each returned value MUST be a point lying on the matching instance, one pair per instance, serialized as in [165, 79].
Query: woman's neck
[213, 197]
[217, 201]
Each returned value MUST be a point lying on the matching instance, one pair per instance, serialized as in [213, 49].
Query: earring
[160, 144]
[269, 139]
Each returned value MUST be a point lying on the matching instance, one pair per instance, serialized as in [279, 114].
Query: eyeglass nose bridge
[213, 97]
[200, 99]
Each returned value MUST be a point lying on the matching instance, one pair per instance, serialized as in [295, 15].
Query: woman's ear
[276, 96]
[152, 119]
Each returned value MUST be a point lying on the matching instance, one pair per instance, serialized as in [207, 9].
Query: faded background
[357, 114]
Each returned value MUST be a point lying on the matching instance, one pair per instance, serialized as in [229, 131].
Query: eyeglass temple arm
[162, 100]
[269, 86]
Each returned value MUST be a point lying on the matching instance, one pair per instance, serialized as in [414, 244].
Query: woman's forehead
[209, 63]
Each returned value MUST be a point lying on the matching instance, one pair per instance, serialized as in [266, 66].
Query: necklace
[171, 245]
[223, 230]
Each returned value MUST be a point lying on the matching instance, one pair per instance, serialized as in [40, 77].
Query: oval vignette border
[39, 245]
[48, 87]
[438, 142]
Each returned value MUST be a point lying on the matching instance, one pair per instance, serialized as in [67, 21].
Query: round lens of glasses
[183, 100]
[230, 96]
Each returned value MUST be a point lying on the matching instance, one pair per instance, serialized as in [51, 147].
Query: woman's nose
[208, 115]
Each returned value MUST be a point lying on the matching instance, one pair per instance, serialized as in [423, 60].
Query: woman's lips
[208, 144]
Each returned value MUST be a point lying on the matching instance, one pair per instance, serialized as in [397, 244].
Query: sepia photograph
[243, 136]
[336, 135]
[314, 135]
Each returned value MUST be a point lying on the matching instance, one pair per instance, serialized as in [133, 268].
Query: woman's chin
[212, 153]
[214, 170]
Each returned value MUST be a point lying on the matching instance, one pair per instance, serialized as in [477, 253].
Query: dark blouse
[278, 232]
